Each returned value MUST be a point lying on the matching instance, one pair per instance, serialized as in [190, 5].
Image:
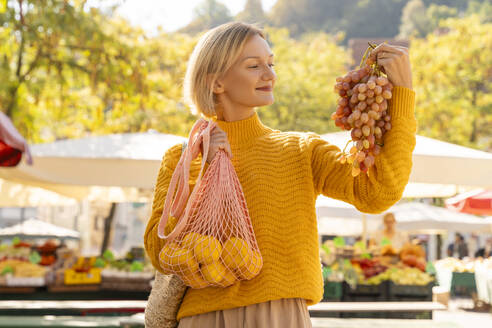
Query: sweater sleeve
[384, 185]
[153, 244]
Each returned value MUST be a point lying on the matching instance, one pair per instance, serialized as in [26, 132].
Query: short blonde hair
[215, 53]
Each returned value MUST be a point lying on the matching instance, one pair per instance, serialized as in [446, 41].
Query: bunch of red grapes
[363, 109]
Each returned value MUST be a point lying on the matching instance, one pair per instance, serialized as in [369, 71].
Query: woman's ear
[218, 87]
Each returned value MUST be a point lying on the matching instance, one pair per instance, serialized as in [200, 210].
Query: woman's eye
[256, 66]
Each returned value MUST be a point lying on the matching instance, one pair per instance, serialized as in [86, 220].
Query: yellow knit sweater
[281, 174]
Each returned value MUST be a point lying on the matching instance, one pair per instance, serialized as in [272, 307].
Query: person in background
[486, 251]
[396, 237]
[459, 248]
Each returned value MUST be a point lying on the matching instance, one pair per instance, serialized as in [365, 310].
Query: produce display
[22, 273]
[405, 271]
[363, 109]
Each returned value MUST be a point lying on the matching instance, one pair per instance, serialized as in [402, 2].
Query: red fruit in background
[410, 260]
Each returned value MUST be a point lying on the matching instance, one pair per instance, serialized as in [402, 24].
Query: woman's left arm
[384, 184]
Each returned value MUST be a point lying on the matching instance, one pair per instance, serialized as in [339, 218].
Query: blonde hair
[213, 56]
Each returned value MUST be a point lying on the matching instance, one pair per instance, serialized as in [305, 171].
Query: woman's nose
[269, 74]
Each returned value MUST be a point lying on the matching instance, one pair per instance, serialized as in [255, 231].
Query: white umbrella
[118, 160]
[424, 218]
[33, 228]
[114, 168]
[439, 168]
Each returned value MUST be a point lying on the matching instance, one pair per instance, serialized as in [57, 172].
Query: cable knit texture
[281, 174]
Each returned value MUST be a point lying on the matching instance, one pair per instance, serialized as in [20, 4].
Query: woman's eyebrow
[271, 55]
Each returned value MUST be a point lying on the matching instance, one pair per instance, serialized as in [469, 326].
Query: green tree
[453, 82]
[207, 15]
[252, 13]
[414, 20]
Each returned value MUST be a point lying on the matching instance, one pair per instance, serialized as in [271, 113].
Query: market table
[374, 309]
[82, 307]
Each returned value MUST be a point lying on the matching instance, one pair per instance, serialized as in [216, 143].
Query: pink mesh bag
[209, 238]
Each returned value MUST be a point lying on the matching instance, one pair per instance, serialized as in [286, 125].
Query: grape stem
[343, 151]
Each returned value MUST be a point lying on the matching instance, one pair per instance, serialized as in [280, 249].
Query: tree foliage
[453, 82]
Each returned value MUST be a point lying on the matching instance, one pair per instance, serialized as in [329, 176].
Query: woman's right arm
[153, 244]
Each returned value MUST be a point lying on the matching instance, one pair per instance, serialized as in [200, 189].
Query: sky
[171, 14]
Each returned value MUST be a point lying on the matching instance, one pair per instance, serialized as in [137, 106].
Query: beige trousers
[283, 313]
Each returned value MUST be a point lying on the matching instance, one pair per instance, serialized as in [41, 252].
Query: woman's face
[249, 82]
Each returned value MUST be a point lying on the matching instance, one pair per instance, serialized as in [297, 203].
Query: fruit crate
[333, 291]
[72, 277]
[410, 292]
[463, 284]
[365, 293]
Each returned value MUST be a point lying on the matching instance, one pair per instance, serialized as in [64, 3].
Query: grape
[371, 84]
[370, 101]
[371, 140]
[358, 132]
[362, 88]
[347, 111]
[375, 107]
[355, 77]
[364, 117]
[379, 99]
[361, 106]
[371, 122]
[347, 79]
[377, 90]
[366, 130]
[380, 123]
[342, 92]
[350, 119]
[372, 114]
[361, 96]
[359, 145]
[381, 81]
[384, 105]
[377, 131]
[370, 61]
[339, 110]
[366, 144]
[387, 126]
[357, 114]
[370, 93]
[353, 99]
[358, 123]
[387, 94]
[334, 116]
[360, 156]
[387, 118]
[346, 86]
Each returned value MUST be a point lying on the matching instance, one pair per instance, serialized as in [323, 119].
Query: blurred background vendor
[389, 232]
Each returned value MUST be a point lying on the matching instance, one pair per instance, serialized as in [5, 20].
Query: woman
[395, 237]
[229, 75]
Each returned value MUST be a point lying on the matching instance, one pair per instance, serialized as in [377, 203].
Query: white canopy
[339, 218]
[33, 228]
[120, 160]
[439, 168]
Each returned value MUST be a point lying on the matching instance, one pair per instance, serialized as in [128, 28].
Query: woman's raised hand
[395, 62]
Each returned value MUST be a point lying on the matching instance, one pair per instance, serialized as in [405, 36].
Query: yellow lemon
[207, 249]
[229, 278]
[195, 280]
[236, 253]
[213, 272]
[252, 268]
[170, 225]
[183, 261]
[190, 239]
[165, 256]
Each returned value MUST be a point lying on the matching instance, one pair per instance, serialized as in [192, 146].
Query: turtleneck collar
[242, 131]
